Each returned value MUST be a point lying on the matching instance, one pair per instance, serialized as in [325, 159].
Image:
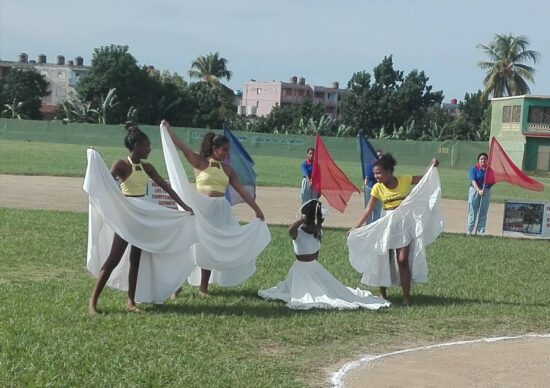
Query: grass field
[31, 158]
[478, 287]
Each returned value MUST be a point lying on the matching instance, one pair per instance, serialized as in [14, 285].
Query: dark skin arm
[234, 181]
[368, 211]
[194, 159]
[293, 228]
[153, 174]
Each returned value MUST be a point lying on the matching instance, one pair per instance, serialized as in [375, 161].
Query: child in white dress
[309, 284]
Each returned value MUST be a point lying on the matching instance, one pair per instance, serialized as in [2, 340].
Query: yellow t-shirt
[392, 198]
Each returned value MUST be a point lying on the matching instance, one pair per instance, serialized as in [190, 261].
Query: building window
[320, 95]
[288, 92]
[60, 92]
[60, 75]
[539, 115]
[301, 93]
[511, 113]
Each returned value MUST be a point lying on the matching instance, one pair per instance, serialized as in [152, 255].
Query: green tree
[23, 90]
[507, 73]
[210, 68]
[113, 67]
[389, 104]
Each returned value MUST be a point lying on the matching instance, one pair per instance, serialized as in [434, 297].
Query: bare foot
[92, 310]
[203, 294]
[132, 308]
[175, 295]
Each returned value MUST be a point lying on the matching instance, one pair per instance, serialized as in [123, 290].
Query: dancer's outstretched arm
[368, 211]
[194, 159]
[234, 181]
[153, 174]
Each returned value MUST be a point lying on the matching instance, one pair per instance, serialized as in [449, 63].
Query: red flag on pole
[329, 180]
[504, 170]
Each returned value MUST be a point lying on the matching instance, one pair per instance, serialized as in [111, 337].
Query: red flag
[501, 169]
[329, 180]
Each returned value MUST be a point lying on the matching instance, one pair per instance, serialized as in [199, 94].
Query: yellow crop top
[212, 178]
[391, 198]
[136, 183]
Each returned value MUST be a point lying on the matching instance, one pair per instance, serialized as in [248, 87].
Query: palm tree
[210, 68]
[507, 73]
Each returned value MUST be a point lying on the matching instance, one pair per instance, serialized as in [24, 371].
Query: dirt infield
[521, 362]
[279, 204]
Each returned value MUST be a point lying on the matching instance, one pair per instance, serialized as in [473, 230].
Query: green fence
[452, 154]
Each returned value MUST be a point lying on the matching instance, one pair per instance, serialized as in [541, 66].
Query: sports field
[479, 287]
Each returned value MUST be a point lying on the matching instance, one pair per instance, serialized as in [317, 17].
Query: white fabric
[309, 285]
[164, 235]
[417, 221]
[223, 245]
[305, 243]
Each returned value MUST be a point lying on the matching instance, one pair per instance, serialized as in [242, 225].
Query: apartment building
[62, 77]
[260, 97]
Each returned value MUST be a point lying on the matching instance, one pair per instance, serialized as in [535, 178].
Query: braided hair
[314, 216]
[387, 162]
[134, 136]
[211, 141]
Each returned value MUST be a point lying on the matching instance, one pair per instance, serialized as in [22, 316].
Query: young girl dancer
[391, 190]
[309, 284]
[133, 174]
[226, 251]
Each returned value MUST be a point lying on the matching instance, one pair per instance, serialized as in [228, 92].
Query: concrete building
[260, 97]
[62, 77]
[521, 124]
[452, 107]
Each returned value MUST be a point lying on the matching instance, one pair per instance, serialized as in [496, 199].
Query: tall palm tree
[210, 68]
[507, 74]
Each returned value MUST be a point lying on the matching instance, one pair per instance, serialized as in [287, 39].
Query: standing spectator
[369, 181]
[479, 195]
[307, 193]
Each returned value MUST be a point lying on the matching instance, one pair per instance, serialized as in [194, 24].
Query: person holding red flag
[306, 192]
[497, 167]
[482, 178]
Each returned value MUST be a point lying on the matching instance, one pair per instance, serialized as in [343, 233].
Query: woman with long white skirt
[308, 284]
[122, 217]
[412, 221]
[225, 252]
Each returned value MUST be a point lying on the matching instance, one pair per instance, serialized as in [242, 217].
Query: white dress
[417, 221]
[165, 236]
[223, 245]
[309, 285]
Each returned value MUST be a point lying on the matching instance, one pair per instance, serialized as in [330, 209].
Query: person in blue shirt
[479, 195]
[306, 192]
[369, 181]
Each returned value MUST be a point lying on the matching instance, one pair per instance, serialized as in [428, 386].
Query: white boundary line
[337, 378]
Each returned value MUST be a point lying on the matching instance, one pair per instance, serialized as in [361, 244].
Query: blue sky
[323, 41]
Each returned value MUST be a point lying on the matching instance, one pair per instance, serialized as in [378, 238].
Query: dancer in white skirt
[309, 284]
[112, 216]
[226, 251]
[391, 191]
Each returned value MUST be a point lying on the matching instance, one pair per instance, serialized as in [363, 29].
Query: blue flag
[368, 154]
[241, 162]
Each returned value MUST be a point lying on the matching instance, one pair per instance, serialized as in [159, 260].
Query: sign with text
[526, 219]
[156, 194]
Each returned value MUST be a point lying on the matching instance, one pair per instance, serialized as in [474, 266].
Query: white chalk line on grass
[337, 378]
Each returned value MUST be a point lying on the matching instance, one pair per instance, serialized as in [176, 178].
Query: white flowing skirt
[416, 222]
[223, 246]
[309, 285]
[165, 236]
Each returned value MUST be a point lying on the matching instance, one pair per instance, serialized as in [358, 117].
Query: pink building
[260, 97]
